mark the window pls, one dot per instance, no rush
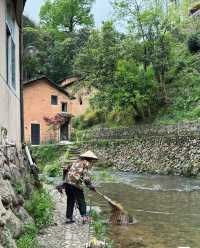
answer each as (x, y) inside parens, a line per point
(10, 45)
(64, 106)
(54, 100)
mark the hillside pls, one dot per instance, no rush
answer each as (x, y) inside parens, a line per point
(184, 95)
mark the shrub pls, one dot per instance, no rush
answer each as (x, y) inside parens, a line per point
(52, 170)
(196, 112)
(194, 43)
(46, 154)
(19, 188)
(121, 118)
(76, 122)
(28, 238)
(65, 157)
(30, 228)
(40, 206)
(89, 119)
(27, 241)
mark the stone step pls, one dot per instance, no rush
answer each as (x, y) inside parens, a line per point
(74, 153)
(74, 147)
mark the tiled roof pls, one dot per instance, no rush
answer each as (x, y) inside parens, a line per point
(51, 83)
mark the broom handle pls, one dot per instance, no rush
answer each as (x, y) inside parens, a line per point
(104, 196)
(99, 193)
(110, 202)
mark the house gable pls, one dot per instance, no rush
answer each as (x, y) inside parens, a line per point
(69, 81)
(48, 81)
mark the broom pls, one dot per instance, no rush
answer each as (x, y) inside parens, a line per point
(118, 214)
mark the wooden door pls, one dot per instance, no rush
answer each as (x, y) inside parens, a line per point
(35, 134)
(64, 133)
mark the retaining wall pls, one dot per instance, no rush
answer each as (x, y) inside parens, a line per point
(16, 184)
(173, 149)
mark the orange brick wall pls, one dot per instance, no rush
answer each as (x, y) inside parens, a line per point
(37, 105)
(76, 108)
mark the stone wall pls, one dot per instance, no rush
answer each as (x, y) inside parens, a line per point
(169, 152)
(16, 184)
(180, 129)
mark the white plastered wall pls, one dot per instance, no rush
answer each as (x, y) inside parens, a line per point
(9, 98)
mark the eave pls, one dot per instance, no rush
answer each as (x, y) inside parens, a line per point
(19, 8)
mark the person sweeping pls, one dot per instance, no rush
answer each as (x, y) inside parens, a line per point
(74, 177)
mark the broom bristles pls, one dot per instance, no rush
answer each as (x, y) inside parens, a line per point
(119, 218)
(114, 204)
(118, 214)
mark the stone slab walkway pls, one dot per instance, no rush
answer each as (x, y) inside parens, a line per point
(62, 235)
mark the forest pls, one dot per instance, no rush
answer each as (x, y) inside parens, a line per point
(143, 63)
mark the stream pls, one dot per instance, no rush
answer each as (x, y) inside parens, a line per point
(166, 208)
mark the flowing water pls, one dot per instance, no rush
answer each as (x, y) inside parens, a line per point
(167, 210)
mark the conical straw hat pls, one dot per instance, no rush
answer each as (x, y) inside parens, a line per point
(89, 154)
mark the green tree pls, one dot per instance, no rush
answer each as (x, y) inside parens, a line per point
(110, 63)
(98, 59)
(32, 40)
(66, 15)
(50, 52)
(137, 88)
(153, 24)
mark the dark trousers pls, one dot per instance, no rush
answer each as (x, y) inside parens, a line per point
(75, 195)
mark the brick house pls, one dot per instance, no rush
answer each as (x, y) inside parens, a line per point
(44, 100)
(82, 95)
(10, 87)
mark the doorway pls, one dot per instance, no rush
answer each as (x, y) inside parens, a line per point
(64, 132)
(35, 134)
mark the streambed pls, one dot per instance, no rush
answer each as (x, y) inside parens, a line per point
(167, 209)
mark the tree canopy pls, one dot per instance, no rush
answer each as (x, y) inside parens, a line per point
(135, 72)
(66, 15)
(49, 48)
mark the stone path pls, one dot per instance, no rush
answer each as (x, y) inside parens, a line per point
(62, 235)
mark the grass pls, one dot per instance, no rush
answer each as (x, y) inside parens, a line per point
(100, 228)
